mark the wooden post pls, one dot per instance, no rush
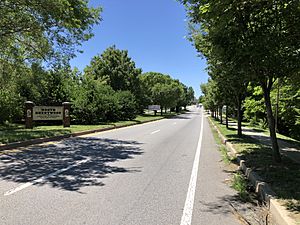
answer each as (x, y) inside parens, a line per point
(29, 114)
(66, 114)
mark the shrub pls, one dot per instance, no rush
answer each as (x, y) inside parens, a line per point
(11, 104)
(127, 106)
(92, 102)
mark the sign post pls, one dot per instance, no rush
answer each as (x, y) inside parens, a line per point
(66, 114)
(29, 114)
(154, 108)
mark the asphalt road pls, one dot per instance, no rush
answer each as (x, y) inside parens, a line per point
(146, 174)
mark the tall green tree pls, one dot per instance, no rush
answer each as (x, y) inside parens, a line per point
(187, 96)
(262, 37)
(231, 89)
(148, 81)
(44, 29)
(166, 95)
(163, 90)
(10, 99)
(210, 99)
(115, 68)
(285, 96)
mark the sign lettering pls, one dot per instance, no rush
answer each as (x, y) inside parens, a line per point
(47, 113)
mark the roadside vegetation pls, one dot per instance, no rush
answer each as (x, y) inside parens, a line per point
(252, 51)
(36, 46)
(16, 132)
(110, 89)
(240, 184)
(283, 178)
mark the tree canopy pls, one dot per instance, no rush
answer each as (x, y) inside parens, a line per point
(161, 89)
(256, 40)
(44, 29)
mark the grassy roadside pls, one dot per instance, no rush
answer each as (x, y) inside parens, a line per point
(280, 137)
(238, 181)
(16, 132)
(284, 178)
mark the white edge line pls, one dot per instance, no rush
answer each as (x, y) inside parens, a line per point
(155, 131)
(43, 178)
(186, 218)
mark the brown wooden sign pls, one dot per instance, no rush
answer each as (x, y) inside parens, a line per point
(39, 113)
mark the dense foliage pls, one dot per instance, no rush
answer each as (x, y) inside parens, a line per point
(246, 42)
(38, 39)
(115, 68)
(160, 89)
(285, 96)
(44, 29)
(120, 94)
(94, 102)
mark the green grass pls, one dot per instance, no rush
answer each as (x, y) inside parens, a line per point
(224, 152)
(259, 129)
(284, 177)
(231, 135)
(15, 132)
(240, 184)
(225, 156)
(18, 133)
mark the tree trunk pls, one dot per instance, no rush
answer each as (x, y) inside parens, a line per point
(277, 105)
(227, 116)
(220, 113)
(271, 122)
(161, 111)
(212, 113)
(239, 117)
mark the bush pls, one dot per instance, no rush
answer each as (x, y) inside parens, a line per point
(127, 106)
(94, 102)
(11, 105)
(90, 102)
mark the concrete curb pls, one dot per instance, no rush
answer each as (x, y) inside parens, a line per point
(20, 144)
(280, 216)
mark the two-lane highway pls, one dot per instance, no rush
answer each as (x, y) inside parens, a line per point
(165, 172)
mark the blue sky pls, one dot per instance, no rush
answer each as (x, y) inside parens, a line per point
(153, 33)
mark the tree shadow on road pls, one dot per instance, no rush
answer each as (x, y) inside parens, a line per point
(91, 159)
